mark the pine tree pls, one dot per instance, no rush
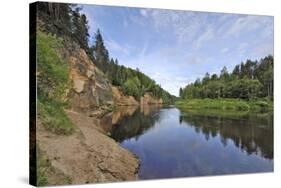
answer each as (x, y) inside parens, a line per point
(100, 52)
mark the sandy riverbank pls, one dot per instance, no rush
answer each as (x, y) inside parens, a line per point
(86, 156)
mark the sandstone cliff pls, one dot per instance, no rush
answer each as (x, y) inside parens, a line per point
(149, 99)
(90, 87)
(122, 100)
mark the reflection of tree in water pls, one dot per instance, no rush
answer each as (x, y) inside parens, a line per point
(250, 133)
(135, 124)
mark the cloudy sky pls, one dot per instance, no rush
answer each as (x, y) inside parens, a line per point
(176, 47)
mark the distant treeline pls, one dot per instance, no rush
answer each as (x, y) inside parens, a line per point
(249, 80)
(67, 21)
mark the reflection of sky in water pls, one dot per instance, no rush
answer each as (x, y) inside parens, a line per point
(173, 149)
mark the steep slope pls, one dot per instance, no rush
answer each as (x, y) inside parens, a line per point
(90, 88)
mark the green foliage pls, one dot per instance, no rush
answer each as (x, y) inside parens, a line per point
(52, 82)
(132, 87)
(80, 28)
(65, 20)
(225, 104)
(53, 117)
(100, 53)
(52, 72)
(222, 104)
(248, 81)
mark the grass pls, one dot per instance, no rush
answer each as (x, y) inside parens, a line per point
(226, 104)
(52, 84)
(53, 117)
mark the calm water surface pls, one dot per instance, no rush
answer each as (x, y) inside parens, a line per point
(174, 143)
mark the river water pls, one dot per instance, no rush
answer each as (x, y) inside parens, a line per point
(174, 143)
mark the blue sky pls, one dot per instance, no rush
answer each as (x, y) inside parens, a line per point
(176, 47)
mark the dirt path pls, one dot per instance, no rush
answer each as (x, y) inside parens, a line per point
(88, 155)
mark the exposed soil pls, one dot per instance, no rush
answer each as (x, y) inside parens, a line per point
(86, 156)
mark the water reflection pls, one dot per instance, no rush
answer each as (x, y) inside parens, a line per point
(135, 124)
(252, 133)
(174, 143)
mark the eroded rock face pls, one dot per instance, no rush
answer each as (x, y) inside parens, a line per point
(90, 87)
(122, 100)
(148, 99)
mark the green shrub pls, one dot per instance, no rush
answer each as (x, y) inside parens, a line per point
(52, 82)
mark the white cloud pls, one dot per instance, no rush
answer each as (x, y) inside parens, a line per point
(205, 37)
(171, 83)
(113, 45)
(246, 24)
(185, 25)
(193, 59)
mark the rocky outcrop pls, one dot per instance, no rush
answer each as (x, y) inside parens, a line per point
(122, 100)
(90, 87)
(148, 99)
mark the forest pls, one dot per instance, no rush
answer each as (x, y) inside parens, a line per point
(67, 21)
(248, 80)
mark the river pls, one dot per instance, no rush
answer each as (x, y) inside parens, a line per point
(174, 143)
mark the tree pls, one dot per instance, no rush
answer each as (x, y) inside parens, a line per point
(181, 92)
(56, 17)
(100, 52)
(224, 73)
(214, 77)
(132, 87)
(80, 29)
(206, 78)
(236, 71)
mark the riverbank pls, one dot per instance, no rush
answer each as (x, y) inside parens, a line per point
(226, 104)
(87, 155)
